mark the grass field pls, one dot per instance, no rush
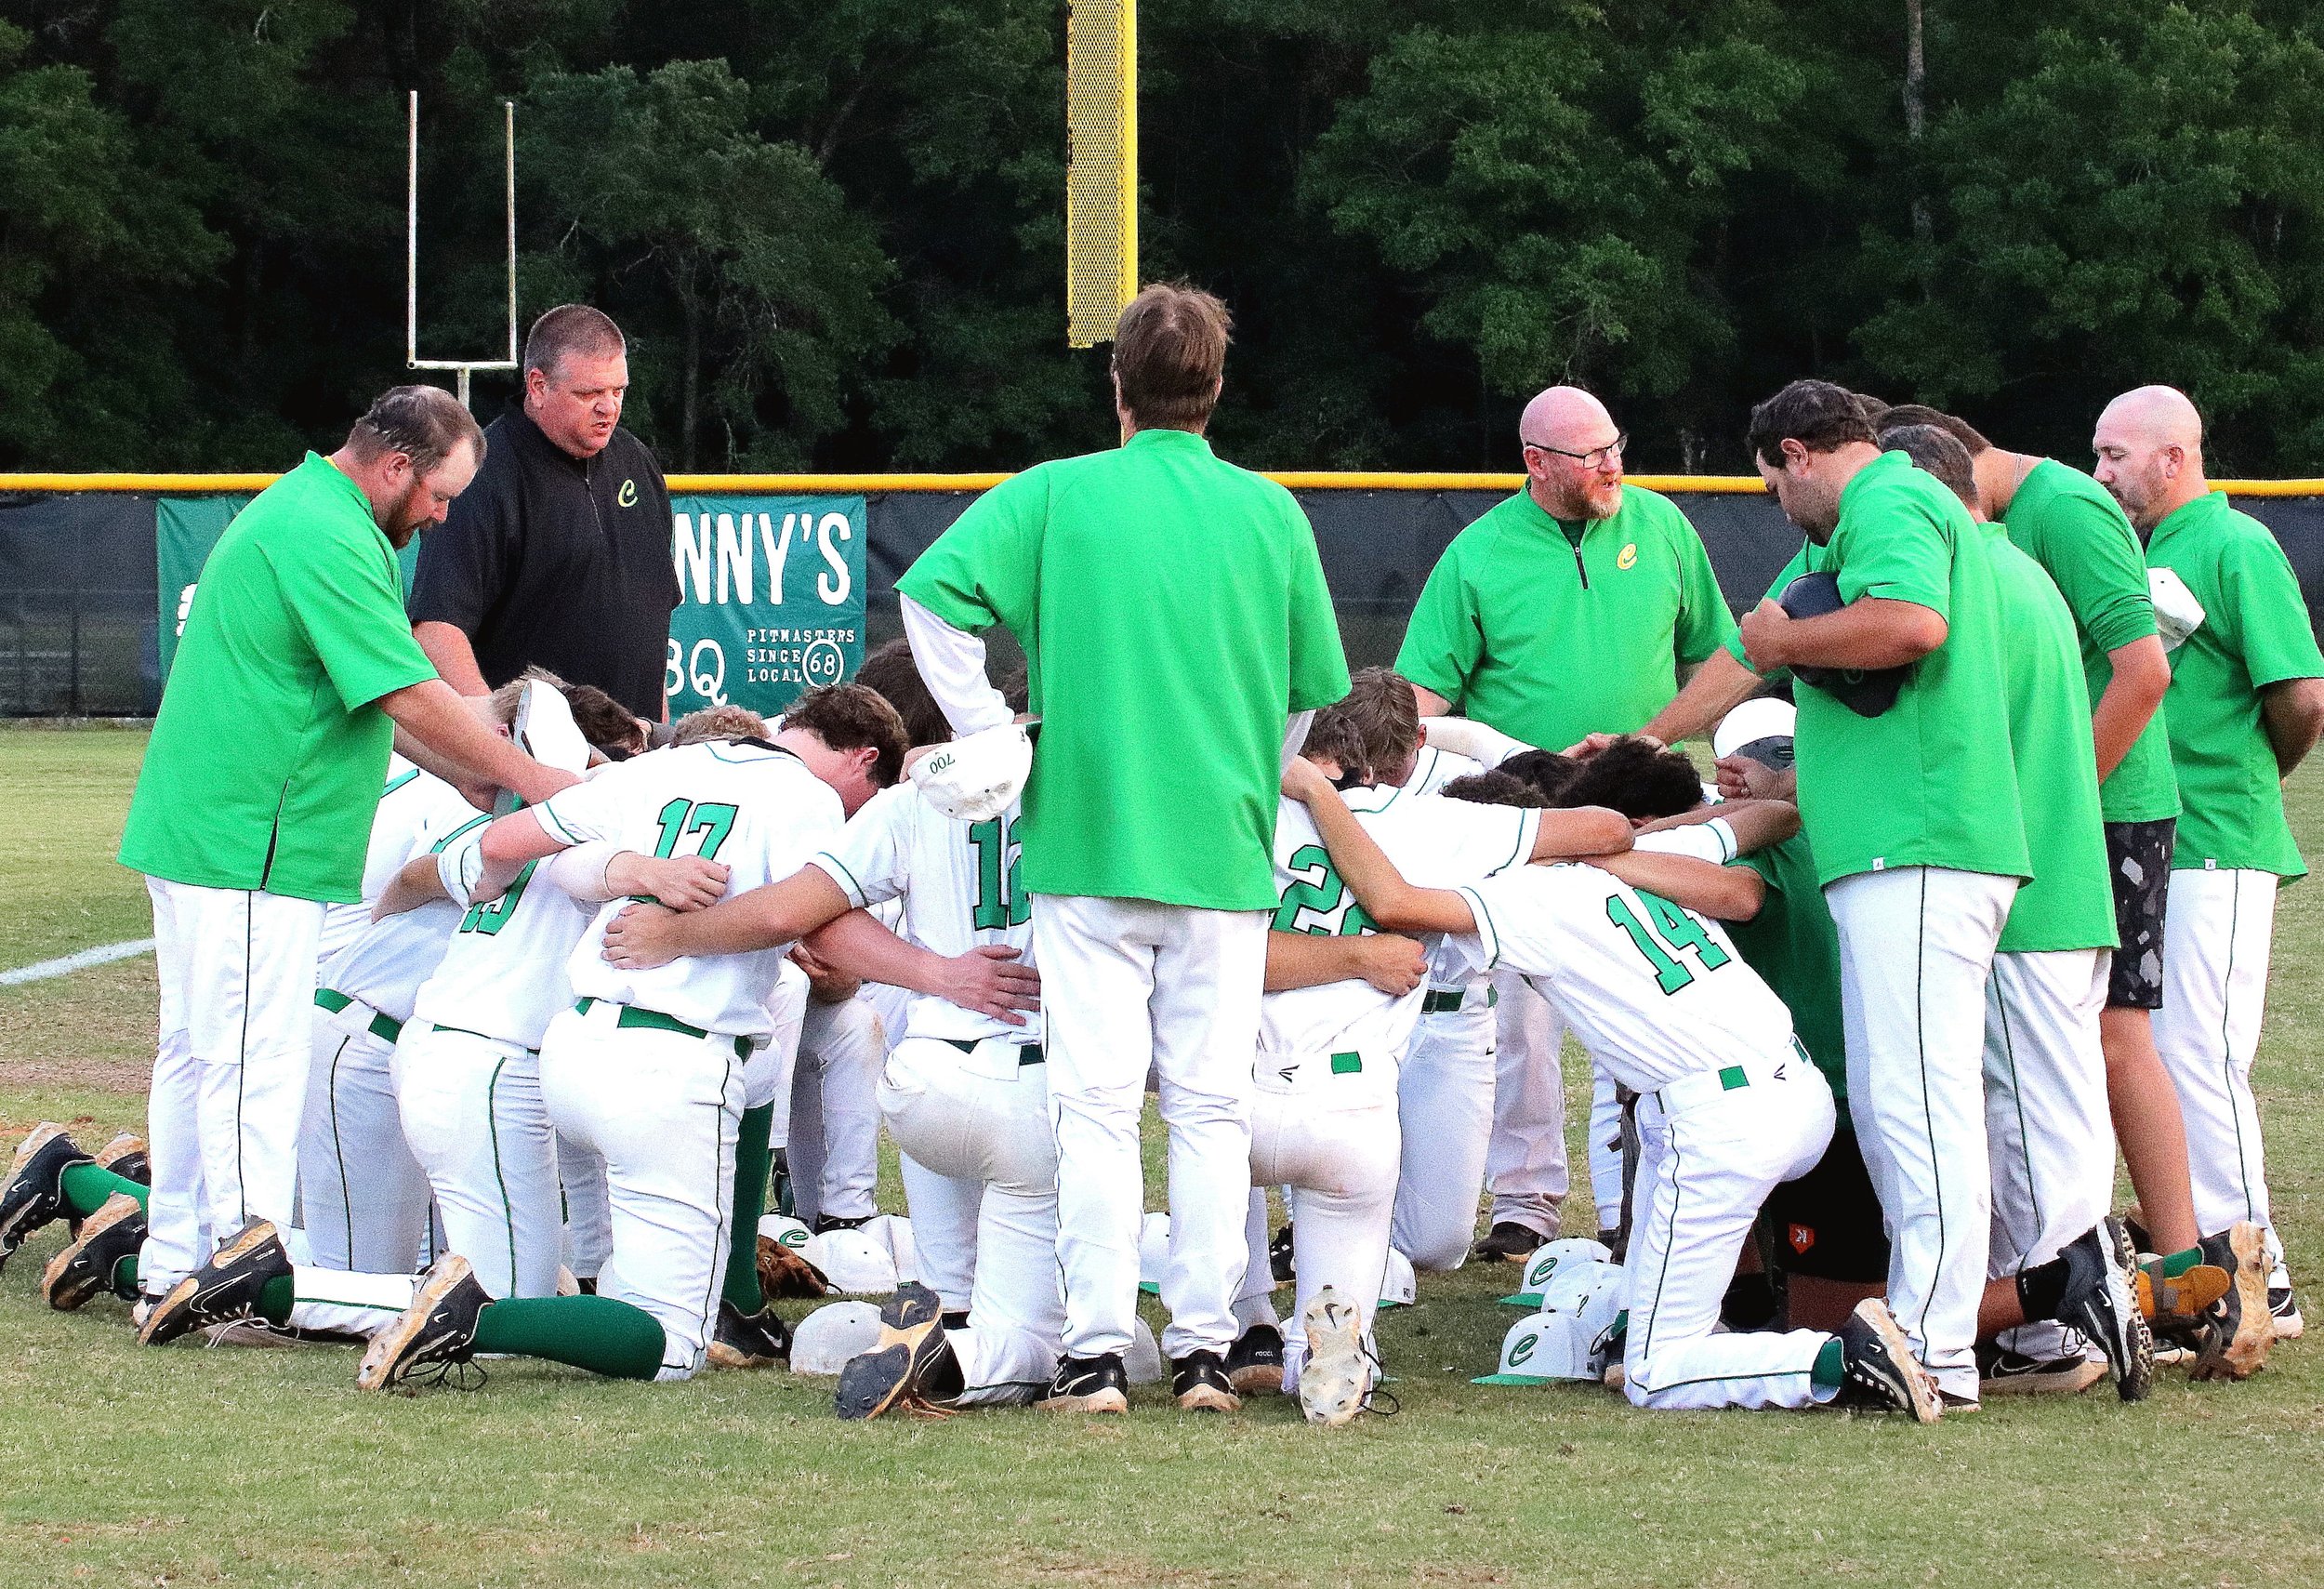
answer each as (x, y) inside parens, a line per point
(266, 1467)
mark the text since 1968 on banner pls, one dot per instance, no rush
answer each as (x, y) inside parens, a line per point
(770, 599)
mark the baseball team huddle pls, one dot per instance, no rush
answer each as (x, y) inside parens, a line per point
(490, 1026)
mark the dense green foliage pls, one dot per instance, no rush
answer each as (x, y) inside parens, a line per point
(835, 227)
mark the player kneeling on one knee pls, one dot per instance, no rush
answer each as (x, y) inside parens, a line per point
(1729, 1107)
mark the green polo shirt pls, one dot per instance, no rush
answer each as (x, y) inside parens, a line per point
(1795, 948)
(1929, 782)
(2255, 632)
(270, 750)
(1550, 633)
(2069, 903)
(2066, 522)
(1173, 612)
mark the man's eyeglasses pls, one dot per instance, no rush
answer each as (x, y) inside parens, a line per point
(1596, 458)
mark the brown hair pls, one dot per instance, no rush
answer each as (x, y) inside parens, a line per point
(850, 717)
(1820, 417)
(717, 723)
(1379, 704)
(571, 328)
(1939, 450)
(1170, 347)
(1333, 736)
(1637, 777)
(1921, 414)
(890, 673)
(424, 423)
(604, 721)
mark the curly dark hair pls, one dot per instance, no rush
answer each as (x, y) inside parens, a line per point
(1636, 778)
(1495, 787)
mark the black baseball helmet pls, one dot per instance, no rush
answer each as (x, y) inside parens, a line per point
(1865, 692)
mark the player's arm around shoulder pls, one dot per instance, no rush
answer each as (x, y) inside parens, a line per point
(1390, 901)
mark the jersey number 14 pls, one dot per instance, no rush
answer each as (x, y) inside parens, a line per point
(1673, 932)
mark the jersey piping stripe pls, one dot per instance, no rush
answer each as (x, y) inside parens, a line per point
(241, 1053)
(339, 1151)
(853, 889)
(1652, 1390)
(2000, 997)
(1928, 1113)
(1486, 935)
(438, 848)
(396, 783)
(722, 1199)
(2226, 1049)
(1646, 1344)
(546, 817)
(500, 1177)
(1529, 834)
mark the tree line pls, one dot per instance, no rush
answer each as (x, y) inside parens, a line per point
(835, 228)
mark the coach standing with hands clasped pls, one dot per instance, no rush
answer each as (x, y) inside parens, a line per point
(1563, 612)
(256, 799)
(560, 555)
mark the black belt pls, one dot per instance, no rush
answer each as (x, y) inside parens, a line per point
(1027, 1053)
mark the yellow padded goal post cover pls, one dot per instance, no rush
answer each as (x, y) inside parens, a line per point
(1101, 167)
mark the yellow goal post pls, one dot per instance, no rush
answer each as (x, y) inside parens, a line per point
(1101, 167)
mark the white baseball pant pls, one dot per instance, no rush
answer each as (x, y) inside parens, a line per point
(2217, 939)
(237, 972)
(2048, 1128)
(348, 1303)
(1129, 985)
(589, 1210)
(1445, 1092)
(833, 1137)
(1328, 1132)
(982, 1117)
(661, 1109)
(1525, 1163)
(1712, 1146)
(475, 1120)
(1254, 1299)
(945, 1209)
(363, 1199)
(1916, 944)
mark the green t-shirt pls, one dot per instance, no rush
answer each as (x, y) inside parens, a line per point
(1929, 782)
(2255, 632)
(2069, 903)
(1795, 948)
(2066, 522)
(268, 752)
(1173, 612)
(1547, 638)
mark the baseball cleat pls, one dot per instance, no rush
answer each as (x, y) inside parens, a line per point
(222, 1290)
(740, 1340)
(1089, 1385)
(1255, 1362)
(125, 1156)
(1336, 1377)
(827, 1222)
(87, 1267)
(34, 1194)
(2101, 1301)
(438, 1328)
(1280, 1259)
(2004, 1372)
(1879, 1369)
(2236, 1337)
(1198, 1381)
(2283, 1306)
(1510, 1240)
(911, 1365)
(783, 1272)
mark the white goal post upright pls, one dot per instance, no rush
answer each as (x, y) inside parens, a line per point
(465, 367)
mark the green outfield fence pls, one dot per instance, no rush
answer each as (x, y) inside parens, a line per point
(80, 626)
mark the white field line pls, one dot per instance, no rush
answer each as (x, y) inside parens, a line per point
(40, 971)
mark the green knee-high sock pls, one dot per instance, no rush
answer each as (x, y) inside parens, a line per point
(752, 1160)
(593, 1332)
(275, 1299)
(86, 1187)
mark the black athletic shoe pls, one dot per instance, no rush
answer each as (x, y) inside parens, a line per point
(1880, 1368)
(829, 1221)
(911, 1365)
(2235, 1338)
(1279, 1258)
(438, 1330)
(223, 1290)
(35, 1192)
(1198, 1381)
(125, 1156)
(1255, 1362)
(87, 1267)
(2101, 1300)
(955, 1319)
(740, 1340)
(2283, 1306)
(1089, 1385)
(1510, 1240)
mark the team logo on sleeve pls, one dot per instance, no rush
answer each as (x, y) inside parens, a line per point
(1628, 558)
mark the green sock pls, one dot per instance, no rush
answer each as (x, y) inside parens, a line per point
(1831, 1366)
(86, 1187)
(275, 1299)
(753, 1158)
(2173, 1265)
(593, 1332)
(125, 1276)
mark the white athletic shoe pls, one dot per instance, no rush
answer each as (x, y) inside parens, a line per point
(1336, 1378)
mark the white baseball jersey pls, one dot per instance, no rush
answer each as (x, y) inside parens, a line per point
(1653, 991)
(385, 962)
(502, 972)
(1433, 768)
(753, 808)
(410, 797)
(960, 891)
(1436, 844)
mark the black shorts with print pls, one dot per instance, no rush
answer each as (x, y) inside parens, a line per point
(2138, 859)
(1827, 1223)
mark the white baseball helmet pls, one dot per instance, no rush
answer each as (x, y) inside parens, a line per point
(1750, 725)
(1547, 1261)
(857, 1262)
(1143, 1362)
(2177, 612)
(826, 1339)
(978, 776)
(1154, 1252)
(1397, 1285)
(896, 1230)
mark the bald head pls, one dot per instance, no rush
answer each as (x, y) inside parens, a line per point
(1567, 434)
(2150, 453)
